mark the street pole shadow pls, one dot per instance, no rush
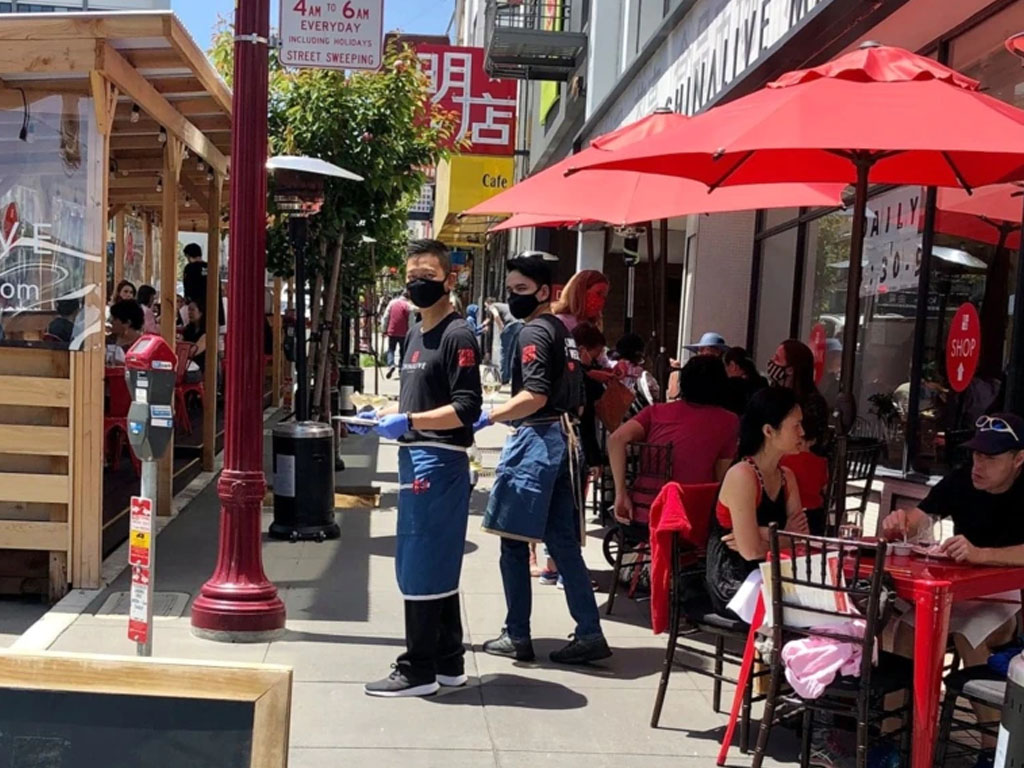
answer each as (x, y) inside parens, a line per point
(505, 690)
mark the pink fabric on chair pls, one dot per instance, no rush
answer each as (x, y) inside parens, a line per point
(812, 663)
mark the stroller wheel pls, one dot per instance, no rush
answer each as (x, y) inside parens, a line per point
(610, 545)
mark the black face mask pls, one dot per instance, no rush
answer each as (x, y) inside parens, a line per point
(425, 293)
(522, 305)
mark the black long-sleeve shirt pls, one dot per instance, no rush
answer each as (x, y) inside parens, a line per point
(441, 367)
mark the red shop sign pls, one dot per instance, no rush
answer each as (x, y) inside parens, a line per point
(818, 345)
(963, 347)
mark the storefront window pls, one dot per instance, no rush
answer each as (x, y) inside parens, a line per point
(46, 209)
(775, 300)
(824, 292)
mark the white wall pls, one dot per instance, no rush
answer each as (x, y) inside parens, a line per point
(604, 51)
(590, 251)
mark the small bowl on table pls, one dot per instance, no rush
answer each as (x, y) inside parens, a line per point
(900, 548)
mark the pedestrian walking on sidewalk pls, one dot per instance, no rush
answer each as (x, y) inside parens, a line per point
(538, 484)
(395, 324)
(439, 400)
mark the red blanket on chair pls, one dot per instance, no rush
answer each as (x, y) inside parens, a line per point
(685, 509)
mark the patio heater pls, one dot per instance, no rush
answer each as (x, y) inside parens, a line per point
(303, 450)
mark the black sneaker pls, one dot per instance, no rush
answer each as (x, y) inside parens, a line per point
(582, 651)
(398, 683)
(503, 645)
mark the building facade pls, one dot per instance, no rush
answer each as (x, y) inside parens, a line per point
(64, 6)
(759, 277)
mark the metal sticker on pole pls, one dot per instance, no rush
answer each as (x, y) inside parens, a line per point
(963, 347)
(332, 34)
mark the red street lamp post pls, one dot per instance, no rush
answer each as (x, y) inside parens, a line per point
(238, 603)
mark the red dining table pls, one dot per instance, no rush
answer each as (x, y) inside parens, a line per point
(932, 586)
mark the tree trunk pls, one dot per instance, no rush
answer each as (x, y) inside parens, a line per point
(331, 314)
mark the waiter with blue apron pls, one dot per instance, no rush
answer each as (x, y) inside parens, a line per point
(537, 489)
(439, 400)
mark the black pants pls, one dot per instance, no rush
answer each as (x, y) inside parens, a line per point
(433, 638)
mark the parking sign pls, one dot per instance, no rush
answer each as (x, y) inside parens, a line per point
(332, 34)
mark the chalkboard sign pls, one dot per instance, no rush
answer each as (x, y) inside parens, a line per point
(85, 711)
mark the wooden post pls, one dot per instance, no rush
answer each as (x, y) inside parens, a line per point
(86, 509)
(149, 256)
(212, 319)
(168, 310)
(118, 250)
(277, 327)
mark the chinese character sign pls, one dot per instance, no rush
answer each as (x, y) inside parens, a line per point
(485, 108)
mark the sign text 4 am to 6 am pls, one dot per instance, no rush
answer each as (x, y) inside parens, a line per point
(332, 34)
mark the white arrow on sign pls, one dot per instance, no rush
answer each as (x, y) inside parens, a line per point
(960, 372)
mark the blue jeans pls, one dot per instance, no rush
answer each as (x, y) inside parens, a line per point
(563, 541)
(509, 345)
(395, 344)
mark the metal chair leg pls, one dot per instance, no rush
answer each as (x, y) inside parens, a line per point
(666, 670)
(806, 734)
(748, 694)
(716, 697)
(616, 572)
(769, 714)
(945, 726)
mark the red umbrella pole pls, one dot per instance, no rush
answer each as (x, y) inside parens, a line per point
(238, 603)
(851, 328)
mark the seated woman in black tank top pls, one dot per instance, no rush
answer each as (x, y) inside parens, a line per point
(755, 493)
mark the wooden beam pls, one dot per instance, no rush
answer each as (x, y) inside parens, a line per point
(32, 56)
(118, 249)
(147, 236)
(131, 83)
(76, 26)
(197, 193)
(197, 105)
(183, 43)
(212, 319)
(168, 310)
(155, 58)
(34, 488)
(33, 440)
(104, 100)
(177, 85)
(208, 124)
(37, 391)
(32, 534)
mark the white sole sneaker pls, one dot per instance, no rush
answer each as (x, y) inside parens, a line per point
(452, 681)
(417, 690)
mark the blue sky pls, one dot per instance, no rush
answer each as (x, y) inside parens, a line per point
(421, 16)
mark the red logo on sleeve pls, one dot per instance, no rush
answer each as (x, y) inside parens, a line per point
(467, 358)
(416, 356)
(529, 353)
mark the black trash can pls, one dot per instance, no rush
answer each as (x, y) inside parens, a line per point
(1010, 749)
(303, 482)
(350, 380)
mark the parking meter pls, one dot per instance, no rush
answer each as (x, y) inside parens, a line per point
(150, 370)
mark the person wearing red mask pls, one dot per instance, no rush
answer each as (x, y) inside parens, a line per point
(582, 299)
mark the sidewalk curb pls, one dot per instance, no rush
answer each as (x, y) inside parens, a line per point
(44, 632)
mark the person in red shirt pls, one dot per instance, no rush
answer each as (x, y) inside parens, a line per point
(396, 328)
(704, 435)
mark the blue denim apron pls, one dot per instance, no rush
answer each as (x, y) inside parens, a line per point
(433, 512)
(531, 461)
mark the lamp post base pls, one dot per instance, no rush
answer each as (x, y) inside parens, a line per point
(239, 604)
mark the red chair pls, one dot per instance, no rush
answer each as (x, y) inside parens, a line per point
(115, 420)
(182, 389)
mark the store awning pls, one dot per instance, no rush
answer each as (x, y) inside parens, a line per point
(462, 182)
(164, 86)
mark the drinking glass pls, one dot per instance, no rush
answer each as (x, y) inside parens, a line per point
(490, 380)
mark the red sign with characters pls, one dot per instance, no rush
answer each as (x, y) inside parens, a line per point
(818, 345)
(963, 347)
(486, 108)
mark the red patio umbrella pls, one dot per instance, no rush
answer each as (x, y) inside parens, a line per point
(880, 114)
(621, 199)
(523, 220)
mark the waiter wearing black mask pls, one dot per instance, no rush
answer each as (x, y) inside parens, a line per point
(536, 494)
(439, 400)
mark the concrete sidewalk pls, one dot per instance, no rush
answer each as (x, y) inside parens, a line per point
(345, 628)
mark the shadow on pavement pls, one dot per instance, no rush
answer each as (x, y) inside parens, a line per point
(511, 691)
(384, 546)
(292, 636)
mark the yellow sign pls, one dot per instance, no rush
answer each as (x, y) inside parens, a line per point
(466, 180)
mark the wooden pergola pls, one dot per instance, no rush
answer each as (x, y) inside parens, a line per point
(156, 148)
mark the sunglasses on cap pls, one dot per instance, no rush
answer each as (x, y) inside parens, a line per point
(995, 424)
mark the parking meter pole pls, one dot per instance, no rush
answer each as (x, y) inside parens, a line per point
(150, 473)
(298, 230)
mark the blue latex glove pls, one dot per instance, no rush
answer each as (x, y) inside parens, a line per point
(393, 426)
(483, 420)
(369, 412)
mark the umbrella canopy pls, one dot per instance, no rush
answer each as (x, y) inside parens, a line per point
(908, 118)
(990, 215)
(523, 220)
(621, 198)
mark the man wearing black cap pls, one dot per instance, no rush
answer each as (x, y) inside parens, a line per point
(534, 497)
(986, 503)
